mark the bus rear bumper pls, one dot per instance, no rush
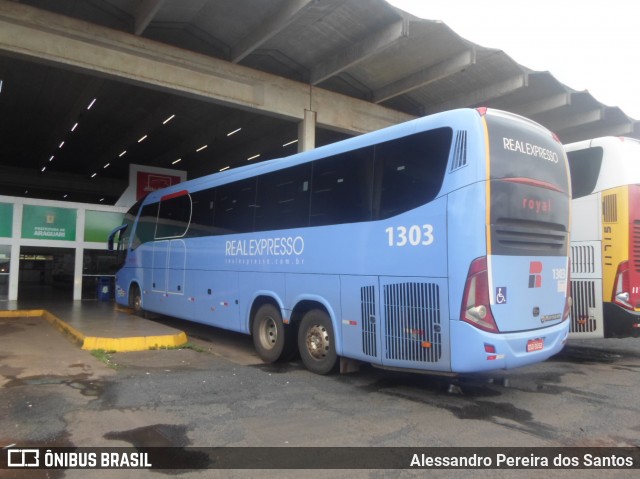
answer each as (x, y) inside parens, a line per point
(620, 322)
(474, 350)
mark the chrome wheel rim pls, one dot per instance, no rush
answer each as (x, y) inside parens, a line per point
(318, 341)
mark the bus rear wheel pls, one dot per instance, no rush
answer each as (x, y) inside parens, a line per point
(316, 342)
(270, 338)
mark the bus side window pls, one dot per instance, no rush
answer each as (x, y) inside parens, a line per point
(146, 229)
(283, 199)
(235, 207)
(342, 188)
(585, 170)
(202, 207)
(173, 217)
(412, 170)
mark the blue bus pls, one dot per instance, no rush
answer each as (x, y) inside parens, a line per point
(440, 244)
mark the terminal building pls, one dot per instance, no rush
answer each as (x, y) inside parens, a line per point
(104, 101)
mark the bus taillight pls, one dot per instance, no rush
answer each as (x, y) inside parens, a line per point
(621, 289)
(476, 309)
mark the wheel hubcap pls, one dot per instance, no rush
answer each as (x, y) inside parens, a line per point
(318, 341)
(268, 333)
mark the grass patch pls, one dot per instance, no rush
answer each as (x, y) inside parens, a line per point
(105, 357)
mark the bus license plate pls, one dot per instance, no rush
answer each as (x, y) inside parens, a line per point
(535, 345)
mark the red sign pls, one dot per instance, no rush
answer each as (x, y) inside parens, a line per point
(148, 182)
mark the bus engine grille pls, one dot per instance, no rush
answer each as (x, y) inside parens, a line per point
(532, 235)
(412, 322)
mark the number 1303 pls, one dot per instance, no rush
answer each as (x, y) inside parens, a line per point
(414, 235)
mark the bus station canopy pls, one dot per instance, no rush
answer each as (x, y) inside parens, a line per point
(205, 84)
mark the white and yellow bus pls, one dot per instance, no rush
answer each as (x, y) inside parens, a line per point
(605, 237)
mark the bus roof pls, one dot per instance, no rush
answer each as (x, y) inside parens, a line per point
(460, 118)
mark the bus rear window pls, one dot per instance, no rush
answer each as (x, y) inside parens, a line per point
(525, 150)
(585, 170)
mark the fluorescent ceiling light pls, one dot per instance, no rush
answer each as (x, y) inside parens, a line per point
(61, 144)
(142, 139)
(201, 148)
(122, 154)
(93, 176)
(168, 119)
(225, 168)
(177, 161)
(73, 128)
(253, 157)
(234, 132)
(290, 143)
(107, 165)
(91, 104)
(52, 157)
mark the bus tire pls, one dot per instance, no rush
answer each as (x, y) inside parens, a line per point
(316, 342)
(135, 300)
(270, 335)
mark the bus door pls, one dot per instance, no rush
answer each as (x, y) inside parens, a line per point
(169, 275)
(586, 290)
(159, 266)
(176, 263)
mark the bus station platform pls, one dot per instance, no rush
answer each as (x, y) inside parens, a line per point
(98, 325)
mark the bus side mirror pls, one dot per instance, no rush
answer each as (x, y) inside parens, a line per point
(113, 234)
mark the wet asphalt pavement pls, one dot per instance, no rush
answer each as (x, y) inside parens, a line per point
(217, 393)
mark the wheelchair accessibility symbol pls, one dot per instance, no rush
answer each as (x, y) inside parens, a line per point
(501, 295)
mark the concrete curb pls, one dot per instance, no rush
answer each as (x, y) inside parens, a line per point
(136, 343)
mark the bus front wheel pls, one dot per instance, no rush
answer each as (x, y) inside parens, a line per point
(135, 300)
(316, 342)
(269, 334)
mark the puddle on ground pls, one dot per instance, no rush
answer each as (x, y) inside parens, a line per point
(158, 435)
(30, 473)
(173, 458)
(581, 354)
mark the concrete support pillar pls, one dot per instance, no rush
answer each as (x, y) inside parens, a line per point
(14, 263)
(307, 131)
(79, 258)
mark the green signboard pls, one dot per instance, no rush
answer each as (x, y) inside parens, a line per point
(48, 223)
(98, 225)
(6, 220)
